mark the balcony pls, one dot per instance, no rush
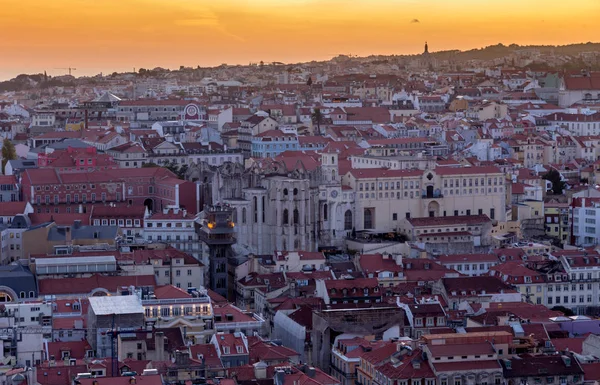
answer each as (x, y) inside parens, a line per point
(245, 325)
(347, 376)
(432, 195)
(176, 301)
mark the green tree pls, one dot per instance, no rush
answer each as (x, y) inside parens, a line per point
(149, 164)
(8, 153)
(557, 184)
(317, 117)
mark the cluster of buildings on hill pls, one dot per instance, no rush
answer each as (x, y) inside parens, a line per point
(346, 223)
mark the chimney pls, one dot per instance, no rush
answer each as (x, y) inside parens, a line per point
(132, 380)
(68, 237)
(182, 358)
(311, 371)
(159, 346)
(260, 370)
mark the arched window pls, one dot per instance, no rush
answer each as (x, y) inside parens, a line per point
(244, 215)
(264, 204)
(255, 201)
(296, 216)
(587, 96)
(348, 220)
(22, 294)
(332, 174)
(285, 191)
(333, 160)
(234, 216)
(368, 219)
(325, 212)
(295, 191)
(285, 219)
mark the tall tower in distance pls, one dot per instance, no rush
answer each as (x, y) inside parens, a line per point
(426, 51)
(217, 231)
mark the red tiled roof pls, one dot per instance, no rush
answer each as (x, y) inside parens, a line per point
(466, 366)
(124, 380)
(381, 354)
(583, 83)
(68, 323)
(61, 375)
(86, 285)
(208, 352)
(461, 349)
(61, 219)
(12, 208)
(374, 263)
(369, 173)
(216, 298)
(231, 341)
(263, 351)
(76, 349)
(592, 371)
(574, 345)
(480, 257)
(229, 309)
(8, 179)
(170, 292)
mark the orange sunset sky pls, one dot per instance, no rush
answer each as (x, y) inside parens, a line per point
(117, 35)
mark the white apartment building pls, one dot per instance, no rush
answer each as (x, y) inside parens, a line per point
(577, 124)
(194, 313)
(43, 119)
(31, 324)
(384, 198)
(586, 217)
(176, 228)
(581, 291)
(173, 267)
(394, 162)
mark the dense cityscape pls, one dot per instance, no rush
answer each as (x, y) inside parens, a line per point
(427, 219)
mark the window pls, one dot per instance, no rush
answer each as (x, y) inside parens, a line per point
(285, 219)
(348, 220)
(368, 218)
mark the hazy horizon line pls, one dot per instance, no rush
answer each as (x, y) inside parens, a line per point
(122, 70)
